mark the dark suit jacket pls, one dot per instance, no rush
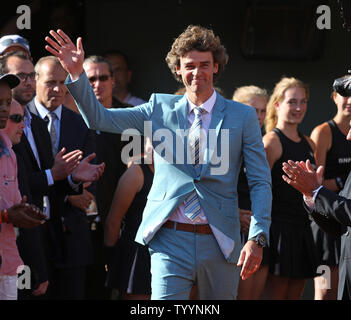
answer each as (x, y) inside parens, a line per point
(36, 176)
(333, 215)
(29, 241)
(74, 134)
(32, 244)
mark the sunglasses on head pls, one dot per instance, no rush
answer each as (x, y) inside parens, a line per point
(8, 42)
(102, 78)
(16, 117)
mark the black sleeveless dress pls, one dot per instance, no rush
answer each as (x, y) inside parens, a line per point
(292, 249)
(130, 269)
(337, 164)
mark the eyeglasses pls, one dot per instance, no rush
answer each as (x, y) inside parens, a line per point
(26, 76)
(16, 117)
(102, 78)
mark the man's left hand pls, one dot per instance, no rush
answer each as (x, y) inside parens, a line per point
(250, 259)
(86, 172)
(81, 201)
(302, 176)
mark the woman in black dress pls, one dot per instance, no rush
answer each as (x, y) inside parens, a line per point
(130, 272)
(292, 253)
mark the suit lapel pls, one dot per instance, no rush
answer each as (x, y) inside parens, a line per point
(32, 108)
(181, 108)
(29, 150)
(215, 124)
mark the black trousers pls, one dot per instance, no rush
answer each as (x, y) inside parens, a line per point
(67, 283)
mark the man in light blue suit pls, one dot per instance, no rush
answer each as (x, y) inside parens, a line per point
(191, 220)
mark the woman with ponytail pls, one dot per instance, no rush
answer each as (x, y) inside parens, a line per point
(292, 255)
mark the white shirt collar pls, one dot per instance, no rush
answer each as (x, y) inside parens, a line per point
(207, 105)
(43, 111)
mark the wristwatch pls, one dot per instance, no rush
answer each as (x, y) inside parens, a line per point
(260, 239)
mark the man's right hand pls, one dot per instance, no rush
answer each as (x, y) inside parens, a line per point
(65, 163)
(70, 56)
(24, 215)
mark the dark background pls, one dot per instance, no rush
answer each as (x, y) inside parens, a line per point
(265, 39)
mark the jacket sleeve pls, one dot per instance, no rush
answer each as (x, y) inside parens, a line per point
(258, 176)
(332, 212)
(333, 206)
(99, 118)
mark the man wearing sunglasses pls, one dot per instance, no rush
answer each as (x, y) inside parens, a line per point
(15, 123)
(109, 147)
(14, 212)
(47, 177)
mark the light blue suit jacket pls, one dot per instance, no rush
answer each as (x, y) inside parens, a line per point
(175, 179)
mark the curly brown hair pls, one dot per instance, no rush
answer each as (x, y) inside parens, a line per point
(200, 39)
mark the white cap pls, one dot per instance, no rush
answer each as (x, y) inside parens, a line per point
(13, 40)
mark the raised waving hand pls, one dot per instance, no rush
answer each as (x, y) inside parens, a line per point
(70, 56)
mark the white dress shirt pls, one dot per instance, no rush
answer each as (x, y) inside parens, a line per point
(43, 112)
(310, 201)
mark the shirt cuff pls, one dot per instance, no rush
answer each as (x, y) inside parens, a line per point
(49, 177)
(75, 186)
(310, 201)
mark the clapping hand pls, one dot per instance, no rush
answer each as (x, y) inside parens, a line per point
(302, 176)
(87, 172)
(24, 215)
(65, 163)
